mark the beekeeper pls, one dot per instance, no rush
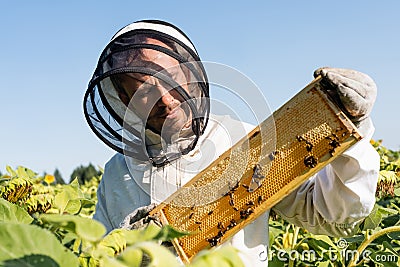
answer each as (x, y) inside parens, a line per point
(149, 100)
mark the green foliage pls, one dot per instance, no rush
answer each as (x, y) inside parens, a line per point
(221, 257)
(49, 224)
(29, 245)
(17, 185)
(84, 173)
(46, 223)
(389, 176)
(376, 244)
(83, 228)
(10, 212)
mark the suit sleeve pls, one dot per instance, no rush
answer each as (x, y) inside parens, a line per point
(337, 199)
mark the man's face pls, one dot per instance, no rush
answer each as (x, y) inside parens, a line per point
(153, 100)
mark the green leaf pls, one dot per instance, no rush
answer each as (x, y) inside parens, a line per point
(132, 256)
(275, 262)
(73, 206)
(147, 234)
(390, 220)
(31, 174)
(324, 264)
(69, 199)
(10, 212)
(11, 171)
(373, 220)
(168, 233)
(150, 232)
(318, 243)
(87, 203)
(30, 245)
(111, 244)
(21, 172)
(222, 256)
(397, 191)
(87, 229)
(158, 255)
(375, 217)
(324, 241)
(111, 262)
(273, 233)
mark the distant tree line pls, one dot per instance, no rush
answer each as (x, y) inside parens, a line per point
(82, 173)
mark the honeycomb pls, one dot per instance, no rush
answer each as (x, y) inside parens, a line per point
(299, 139)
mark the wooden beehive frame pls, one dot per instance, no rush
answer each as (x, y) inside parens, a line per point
(298, 140)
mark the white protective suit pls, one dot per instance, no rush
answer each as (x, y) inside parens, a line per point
(333, 202)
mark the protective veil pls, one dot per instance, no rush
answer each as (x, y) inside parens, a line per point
(125, 103)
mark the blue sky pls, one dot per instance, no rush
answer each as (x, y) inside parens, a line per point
(49, 50)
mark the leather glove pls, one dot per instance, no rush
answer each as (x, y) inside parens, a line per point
(353, 91)
(140, 218)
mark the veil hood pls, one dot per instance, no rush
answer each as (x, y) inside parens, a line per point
(122, 126)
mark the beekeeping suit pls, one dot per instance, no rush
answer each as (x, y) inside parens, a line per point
(154, 161)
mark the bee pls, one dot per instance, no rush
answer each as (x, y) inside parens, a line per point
(213, 241)
(231, 203)
(197, 222)
(235, 209)
(244, 214)
(309, 146)
(210, 212)
(191, 215)
(235, 187)
(250, 211)
(334, 143)
(216, 241)
(260, 199)
(310, 161)
(250, 203)
(300, 138)
(220, 234)
(220, 226)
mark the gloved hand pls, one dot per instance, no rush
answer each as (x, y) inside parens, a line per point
(140, 218)
(355, 92)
